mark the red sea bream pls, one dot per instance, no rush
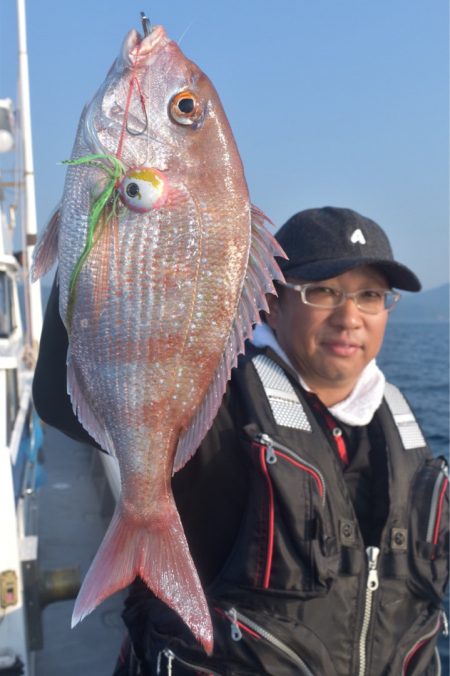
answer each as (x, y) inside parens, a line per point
(163, 268)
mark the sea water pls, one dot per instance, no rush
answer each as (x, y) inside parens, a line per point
(415, 357)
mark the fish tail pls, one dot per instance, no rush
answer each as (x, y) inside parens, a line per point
(159, 554)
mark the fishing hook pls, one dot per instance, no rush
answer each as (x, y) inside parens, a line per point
(137, 132)
(145, 24)
(134, 82)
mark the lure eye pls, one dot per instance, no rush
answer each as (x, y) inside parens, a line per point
(185, 108)
(132, 190)
(143, 189)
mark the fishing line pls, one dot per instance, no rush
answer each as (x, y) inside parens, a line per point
(186, 30)
(133, 82)
(115, 174)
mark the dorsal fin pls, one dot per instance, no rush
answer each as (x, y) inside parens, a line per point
(261, 270)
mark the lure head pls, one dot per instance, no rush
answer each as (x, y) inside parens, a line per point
(143, 189)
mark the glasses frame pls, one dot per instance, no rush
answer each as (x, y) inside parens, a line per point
(353, 295)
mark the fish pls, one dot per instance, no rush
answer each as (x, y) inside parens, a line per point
(163, 268)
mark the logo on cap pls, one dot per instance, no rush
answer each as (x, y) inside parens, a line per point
(357, 237)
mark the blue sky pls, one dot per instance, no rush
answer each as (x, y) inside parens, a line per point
(331, 103)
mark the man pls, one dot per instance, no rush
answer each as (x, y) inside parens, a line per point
(314, 510)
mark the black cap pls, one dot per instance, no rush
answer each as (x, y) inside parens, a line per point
(324, 243)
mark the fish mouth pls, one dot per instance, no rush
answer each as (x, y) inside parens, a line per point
(149, 42)
(137, 49)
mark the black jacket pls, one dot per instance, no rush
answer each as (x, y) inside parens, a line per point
(278, 531)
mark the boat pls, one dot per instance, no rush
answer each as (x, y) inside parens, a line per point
(24, 588)
(19, 471)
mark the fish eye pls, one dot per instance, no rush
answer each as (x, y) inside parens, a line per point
(185, 108)
(186, 105)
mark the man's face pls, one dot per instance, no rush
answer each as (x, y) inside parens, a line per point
(330, 347)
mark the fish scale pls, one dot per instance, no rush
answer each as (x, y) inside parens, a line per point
(159, 288)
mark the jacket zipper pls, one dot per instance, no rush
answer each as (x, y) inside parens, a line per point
(371, 587)
(437, 497)
(171, 657)
(271, 458)
(423, 640)
(238, 621)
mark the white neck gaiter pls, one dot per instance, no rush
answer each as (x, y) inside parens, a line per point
(359, 407)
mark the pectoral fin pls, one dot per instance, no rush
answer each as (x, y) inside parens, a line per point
(46, 251)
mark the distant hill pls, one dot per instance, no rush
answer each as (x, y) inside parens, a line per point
(426, 306)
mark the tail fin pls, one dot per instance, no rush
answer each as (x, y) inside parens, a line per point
(160, 556)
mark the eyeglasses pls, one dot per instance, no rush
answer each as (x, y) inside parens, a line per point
(371, 301)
